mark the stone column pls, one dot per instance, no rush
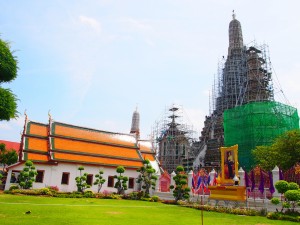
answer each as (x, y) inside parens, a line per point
(275, 174)
(242, 177)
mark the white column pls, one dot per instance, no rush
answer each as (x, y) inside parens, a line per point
(275, 174)
(157, 182)
(242, 177)
(212, 175)
(173, 174)
(190, 178)
(8, 177)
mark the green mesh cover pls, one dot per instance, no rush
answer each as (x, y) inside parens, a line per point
(255, 124)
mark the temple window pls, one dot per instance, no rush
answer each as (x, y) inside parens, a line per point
(40, 176)
(65, 178)
(110, 181)
(131, 182)
(89, 179)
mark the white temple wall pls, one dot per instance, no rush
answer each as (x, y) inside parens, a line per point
(53, 176)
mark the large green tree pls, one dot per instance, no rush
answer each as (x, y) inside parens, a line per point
(147, 177)
(8, 72)
(7, 156)
(284, 152)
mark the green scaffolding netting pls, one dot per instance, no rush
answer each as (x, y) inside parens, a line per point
(255, 124)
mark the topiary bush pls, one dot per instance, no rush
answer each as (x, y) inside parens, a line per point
(293, 196)
(88, 194)
(181, 191)
(13, 187)
(155, 198)
(293, 186)
(27, 175)
(282, 186)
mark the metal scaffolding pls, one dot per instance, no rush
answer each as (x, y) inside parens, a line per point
(173, 140)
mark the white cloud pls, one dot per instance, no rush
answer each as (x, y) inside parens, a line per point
(150, 42)
(91, 22)
(5, 126)
(135, 24)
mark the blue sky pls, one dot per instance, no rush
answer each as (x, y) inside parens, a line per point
(91, 62)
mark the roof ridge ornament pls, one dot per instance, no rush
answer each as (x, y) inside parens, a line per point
(25, 114)
(49, 115)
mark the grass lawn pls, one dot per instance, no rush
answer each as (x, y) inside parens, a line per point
(56, 211)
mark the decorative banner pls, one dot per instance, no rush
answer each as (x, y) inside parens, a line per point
(246, 179)
(252, 181)
(281, 175)
(272, 189)
(261, 187)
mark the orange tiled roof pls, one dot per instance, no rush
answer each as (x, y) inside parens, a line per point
(59, 129)
(93, 148)
(38, 129)
(148, 156)
(36, 144)
(68, 143)
(145, 146)
(96, 160)
(36, 157)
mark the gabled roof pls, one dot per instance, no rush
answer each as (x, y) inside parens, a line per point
(11, 145)
(60, 142)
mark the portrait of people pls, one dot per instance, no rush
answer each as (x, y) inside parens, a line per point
(229, 165)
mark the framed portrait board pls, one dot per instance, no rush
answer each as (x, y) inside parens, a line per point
(229, 164)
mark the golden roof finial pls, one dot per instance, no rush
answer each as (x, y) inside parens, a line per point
(233, 15)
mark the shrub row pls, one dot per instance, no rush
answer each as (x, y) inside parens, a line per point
(87, 194)
(282, 216)
(220, 209)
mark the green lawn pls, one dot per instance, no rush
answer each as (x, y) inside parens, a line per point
(56, 211)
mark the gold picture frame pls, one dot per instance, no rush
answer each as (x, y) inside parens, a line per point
(229, 164)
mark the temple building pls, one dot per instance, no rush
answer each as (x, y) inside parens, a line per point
(244, 110)
(58, 149)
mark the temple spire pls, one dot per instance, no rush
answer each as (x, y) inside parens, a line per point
(135, 124)
(235, 35)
